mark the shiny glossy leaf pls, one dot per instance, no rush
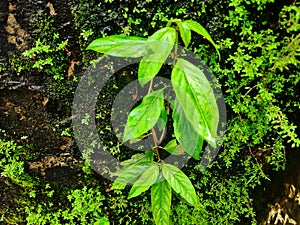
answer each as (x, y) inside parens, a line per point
(130, 174)
(160, 44)
(196, 99)
(120, 45)
(161, 195)
(173, 148)
(185, 133)
(180, 183)
(162, 121)
(144, 117)
(144, 182)
(171, 144)
(198, 28)
(179, 150)
(134, 159)
(185, 33)
(135, 140)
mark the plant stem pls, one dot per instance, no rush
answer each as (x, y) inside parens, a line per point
(162, 135)
(154, 137)
(156, 141)
(157, 152)
(176, 47)
(150, 87)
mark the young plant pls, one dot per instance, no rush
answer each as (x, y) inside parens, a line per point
(194, 112)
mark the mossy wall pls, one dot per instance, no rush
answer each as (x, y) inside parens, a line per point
(258, 71)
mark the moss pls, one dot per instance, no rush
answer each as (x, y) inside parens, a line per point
(259, 65)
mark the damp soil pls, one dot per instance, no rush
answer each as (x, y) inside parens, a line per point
(24, 117)
(26, 107)
(18, 19)
(53, 158)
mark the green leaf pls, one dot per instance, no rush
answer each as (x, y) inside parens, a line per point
(179, 150)
(198, 28)
(162, 121)
(185, 33)
(120, 45)
(185, 133)
(149, 154)
(161, 44)
(135, 140)
(144, 117)
(173, 148)
(102, 221)
(171, 144)
(180, 183)
(196, 99)
(161, 195)
(173, 21)
(145, 181)
(134, 159)
(130, 174)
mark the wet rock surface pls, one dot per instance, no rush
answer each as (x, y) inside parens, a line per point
(19, 31)
(26, 108)
(24, 117)
(27, 111)
(278, 201)
(53, 158)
